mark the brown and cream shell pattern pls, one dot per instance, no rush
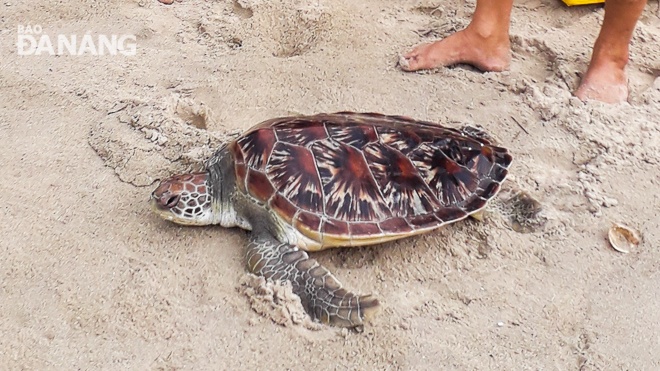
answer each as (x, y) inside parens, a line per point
(350, 179)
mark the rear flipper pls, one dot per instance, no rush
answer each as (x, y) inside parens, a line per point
(319, 291)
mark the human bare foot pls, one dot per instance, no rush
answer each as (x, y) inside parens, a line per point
(487, 53)
(166, 2)
(604, 81)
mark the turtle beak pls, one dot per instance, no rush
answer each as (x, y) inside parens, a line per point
(155, 205)
(158, 209)
(153, 201)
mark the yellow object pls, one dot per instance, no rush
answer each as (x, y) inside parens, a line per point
(582, 2)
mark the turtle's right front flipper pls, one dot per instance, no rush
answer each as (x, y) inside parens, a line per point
(319, 291)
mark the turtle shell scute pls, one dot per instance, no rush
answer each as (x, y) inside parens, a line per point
(355, 178)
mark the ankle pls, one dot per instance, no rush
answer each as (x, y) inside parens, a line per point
(614, 64)
(494, 36)
(610, 56)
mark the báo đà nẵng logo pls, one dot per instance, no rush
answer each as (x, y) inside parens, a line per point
(32, 41)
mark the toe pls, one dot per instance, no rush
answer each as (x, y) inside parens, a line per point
(406, 62)
(414, 59)
(414, 52)
(412, 63)
(403, 63)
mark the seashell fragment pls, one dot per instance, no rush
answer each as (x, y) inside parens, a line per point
(623, 238)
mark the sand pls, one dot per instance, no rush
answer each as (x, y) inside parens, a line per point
(92, 280)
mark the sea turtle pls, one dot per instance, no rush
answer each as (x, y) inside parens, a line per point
(344, 179)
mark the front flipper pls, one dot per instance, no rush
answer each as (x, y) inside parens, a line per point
(319, 291)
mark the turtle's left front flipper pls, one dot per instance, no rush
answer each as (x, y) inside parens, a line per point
(319, 291)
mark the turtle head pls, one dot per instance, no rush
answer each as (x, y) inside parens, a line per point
(184, 199)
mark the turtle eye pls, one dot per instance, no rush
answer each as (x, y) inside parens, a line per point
(172, 201)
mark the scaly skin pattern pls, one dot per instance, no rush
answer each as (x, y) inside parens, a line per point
(344, 179)
(185, 199)
(319, 291)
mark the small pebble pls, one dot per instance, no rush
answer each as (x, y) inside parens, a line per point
(500, 324)
(609, 202)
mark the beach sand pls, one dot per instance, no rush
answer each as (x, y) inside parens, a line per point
(91, 279)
